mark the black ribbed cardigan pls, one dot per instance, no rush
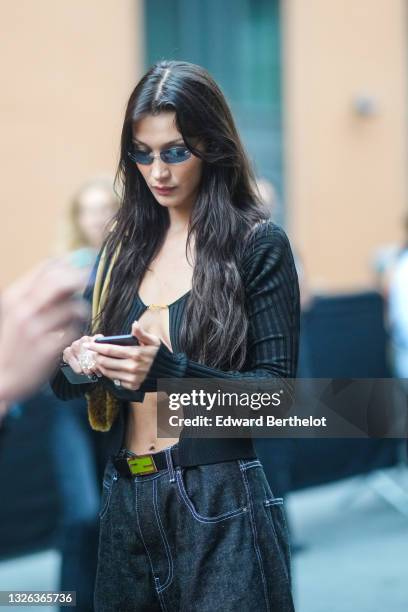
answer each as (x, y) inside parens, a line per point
(272, 305)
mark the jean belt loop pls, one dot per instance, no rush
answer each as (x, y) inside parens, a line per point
(170, 464)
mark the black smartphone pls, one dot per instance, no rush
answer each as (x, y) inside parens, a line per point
(77, 379)
(126, 340)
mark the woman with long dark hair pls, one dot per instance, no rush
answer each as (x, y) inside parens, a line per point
(193, 269)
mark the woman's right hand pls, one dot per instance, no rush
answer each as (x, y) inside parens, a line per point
(80, 359)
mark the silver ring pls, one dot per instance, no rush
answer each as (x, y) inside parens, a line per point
(117, 382)
(86, 360)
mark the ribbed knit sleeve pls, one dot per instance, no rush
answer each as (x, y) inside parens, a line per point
(65, 390)
(272, 294)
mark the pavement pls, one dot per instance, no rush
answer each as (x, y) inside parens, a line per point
(31, 573)
(354, 556)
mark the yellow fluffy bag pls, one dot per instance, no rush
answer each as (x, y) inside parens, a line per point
(103, 406)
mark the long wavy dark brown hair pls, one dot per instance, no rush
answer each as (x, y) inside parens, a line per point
(214, 329)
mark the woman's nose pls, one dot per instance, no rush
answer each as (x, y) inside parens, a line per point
(159, 169)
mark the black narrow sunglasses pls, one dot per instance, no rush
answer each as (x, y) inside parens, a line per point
(172, 155)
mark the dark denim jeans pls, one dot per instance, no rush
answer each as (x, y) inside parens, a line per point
(196, 539)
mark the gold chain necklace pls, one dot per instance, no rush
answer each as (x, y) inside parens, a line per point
(157, 307)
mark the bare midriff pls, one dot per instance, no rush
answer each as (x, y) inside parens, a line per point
(168, 277)
(141, 432)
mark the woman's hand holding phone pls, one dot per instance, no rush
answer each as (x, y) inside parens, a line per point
(128, 365)
(81, 360)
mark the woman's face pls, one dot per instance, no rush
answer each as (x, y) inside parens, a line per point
(96, 209)
(173, 185)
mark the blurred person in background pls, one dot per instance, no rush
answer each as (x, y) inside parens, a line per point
(86, 221)
(397, 312)
(38, 314)
(193, 266)
(385, 259)
(267, 194)
(79, 453)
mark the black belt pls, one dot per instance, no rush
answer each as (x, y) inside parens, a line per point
(130, 465)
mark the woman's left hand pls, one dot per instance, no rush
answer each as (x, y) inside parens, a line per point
(128, 364)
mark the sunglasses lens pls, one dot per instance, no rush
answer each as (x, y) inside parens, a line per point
(140, 157)
(175, 155)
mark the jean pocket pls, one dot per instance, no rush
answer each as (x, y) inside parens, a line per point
(108, 482)
(276, 515)
(212, 493)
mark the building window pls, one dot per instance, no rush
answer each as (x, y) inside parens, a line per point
(238, 41)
